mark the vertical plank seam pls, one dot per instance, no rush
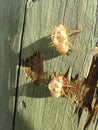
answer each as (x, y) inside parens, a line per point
(18, 71)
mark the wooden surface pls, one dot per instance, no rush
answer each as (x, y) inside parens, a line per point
(30, 23)
(11, 20)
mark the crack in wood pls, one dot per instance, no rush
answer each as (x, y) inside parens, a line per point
(18, 71)
(91, 98)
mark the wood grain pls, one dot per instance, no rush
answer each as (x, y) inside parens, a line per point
(41, 111)
(26, 30)
(11, 20)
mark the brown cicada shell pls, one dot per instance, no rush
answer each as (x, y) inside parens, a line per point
(60, 40)
(60, 86)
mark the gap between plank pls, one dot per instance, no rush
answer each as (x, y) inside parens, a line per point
(18, 71)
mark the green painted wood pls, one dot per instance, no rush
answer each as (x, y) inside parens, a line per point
(11, 20)
(36, 109)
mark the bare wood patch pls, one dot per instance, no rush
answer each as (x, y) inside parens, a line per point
(33, 68)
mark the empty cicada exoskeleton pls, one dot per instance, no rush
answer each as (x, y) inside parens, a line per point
(60, 86)
(56, 85)
(60, 39)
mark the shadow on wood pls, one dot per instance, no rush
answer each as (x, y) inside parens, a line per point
(29, 90)
(42, 45)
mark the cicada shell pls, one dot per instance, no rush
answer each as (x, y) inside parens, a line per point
(60, 86)
(60, 40)
(56, 85)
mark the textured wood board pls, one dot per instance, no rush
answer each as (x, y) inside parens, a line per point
(11, 19)
(43, 16)
(35, 108)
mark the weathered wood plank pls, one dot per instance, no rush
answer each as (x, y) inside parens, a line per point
(35, 108)
(11, 20)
